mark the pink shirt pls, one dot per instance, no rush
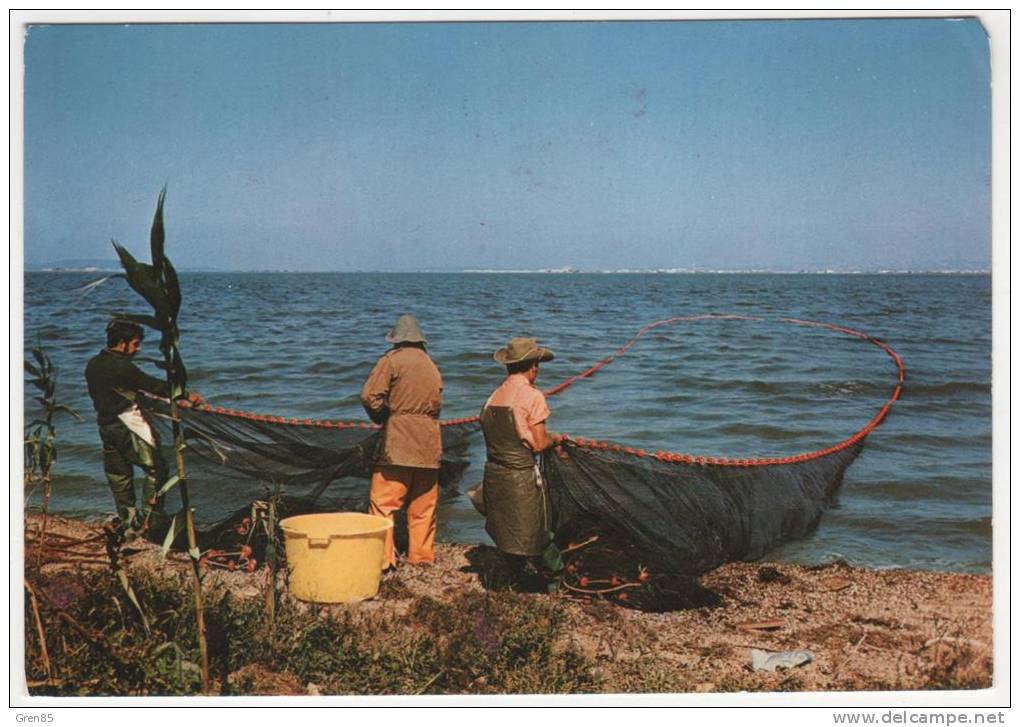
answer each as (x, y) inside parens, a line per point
(527, 402)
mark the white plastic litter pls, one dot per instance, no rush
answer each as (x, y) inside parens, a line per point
(766, 661)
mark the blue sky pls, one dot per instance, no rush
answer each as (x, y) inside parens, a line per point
(783, 145)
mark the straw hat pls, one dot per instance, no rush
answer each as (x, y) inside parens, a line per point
(406, 330)
(522, 349)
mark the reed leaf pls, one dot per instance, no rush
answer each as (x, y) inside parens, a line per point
(168, 485)
(170, 340)
(175, 529)
(68, 410)
(157, 234)
(171, 286)
(47, 455)
(177, 373)
(126, 584)
(144, 280)
(89, 287)
(40, 357)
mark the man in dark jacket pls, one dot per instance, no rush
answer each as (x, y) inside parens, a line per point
(404, 392)
(129, 439)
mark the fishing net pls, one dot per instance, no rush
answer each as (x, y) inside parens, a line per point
(303, 466)
(636, 527)
(641, 529)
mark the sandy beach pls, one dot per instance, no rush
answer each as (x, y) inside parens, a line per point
(864, 629)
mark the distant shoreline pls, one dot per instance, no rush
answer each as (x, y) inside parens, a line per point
(558, 271)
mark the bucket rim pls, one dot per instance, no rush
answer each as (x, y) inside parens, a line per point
(384, 524)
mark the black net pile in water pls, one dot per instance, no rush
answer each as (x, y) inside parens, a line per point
(639, 531)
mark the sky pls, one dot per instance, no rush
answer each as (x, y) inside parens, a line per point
(778, 145)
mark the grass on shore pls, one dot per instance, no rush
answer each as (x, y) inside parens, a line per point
(476, 643)
(463, 640)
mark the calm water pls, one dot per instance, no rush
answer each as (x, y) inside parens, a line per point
(301, 344)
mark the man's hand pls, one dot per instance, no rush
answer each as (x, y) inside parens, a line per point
(380, 415)
(557, 439)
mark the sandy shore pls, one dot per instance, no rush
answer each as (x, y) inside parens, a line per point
(865, 629)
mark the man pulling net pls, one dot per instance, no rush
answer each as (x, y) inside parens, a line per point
(128, 437)
(518, 513)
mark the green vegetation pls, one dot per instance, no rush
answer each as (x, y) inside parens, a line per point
(41, 434)
(477, 643)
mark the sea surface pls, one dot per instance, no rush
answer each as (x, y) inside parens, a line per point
(919, 496)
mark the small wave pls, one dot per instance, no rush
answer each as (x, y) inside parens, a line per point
(977, 526)
(967, 342)
(324, 367)
(884, 489)
(337, 368)
(770, 433)
(763, 387)
(899, 440)
(756, 386)
(675, 399)
(844, 388)
(471, 357)
(948, 528)
(948, 388)
(347, 402)
(48, 332)
(949, 494)
(230, 372)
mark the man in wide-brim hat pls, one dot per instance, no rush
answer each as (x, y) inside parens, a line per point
(518, 515)
(404, 393)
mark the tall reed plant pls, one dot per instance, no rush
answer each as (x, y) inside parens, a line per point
(158, 284)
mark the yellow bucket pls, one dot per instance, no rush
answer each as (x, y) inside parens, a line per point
(335, 557)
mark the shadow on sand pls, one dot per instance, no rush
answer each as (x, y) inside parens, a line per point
(496, 572)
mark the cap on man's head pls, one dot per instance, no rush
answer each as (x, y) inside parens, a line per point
(520, 350)
(406, 330)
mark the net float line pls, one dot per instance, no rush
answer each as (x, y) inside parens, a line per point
(596, 444)
(690, 459)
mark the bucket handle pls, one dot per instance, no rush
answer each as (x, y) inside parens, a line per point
(318, 542)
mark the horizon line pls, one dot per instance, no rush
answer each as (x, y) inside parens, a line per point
(544, 271)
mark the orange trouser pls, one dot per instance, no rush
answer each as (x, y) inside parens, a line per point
(391, 487)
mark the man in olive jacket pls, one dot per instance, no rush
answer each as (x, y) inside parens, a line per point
(128, 437)
(404, 392)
